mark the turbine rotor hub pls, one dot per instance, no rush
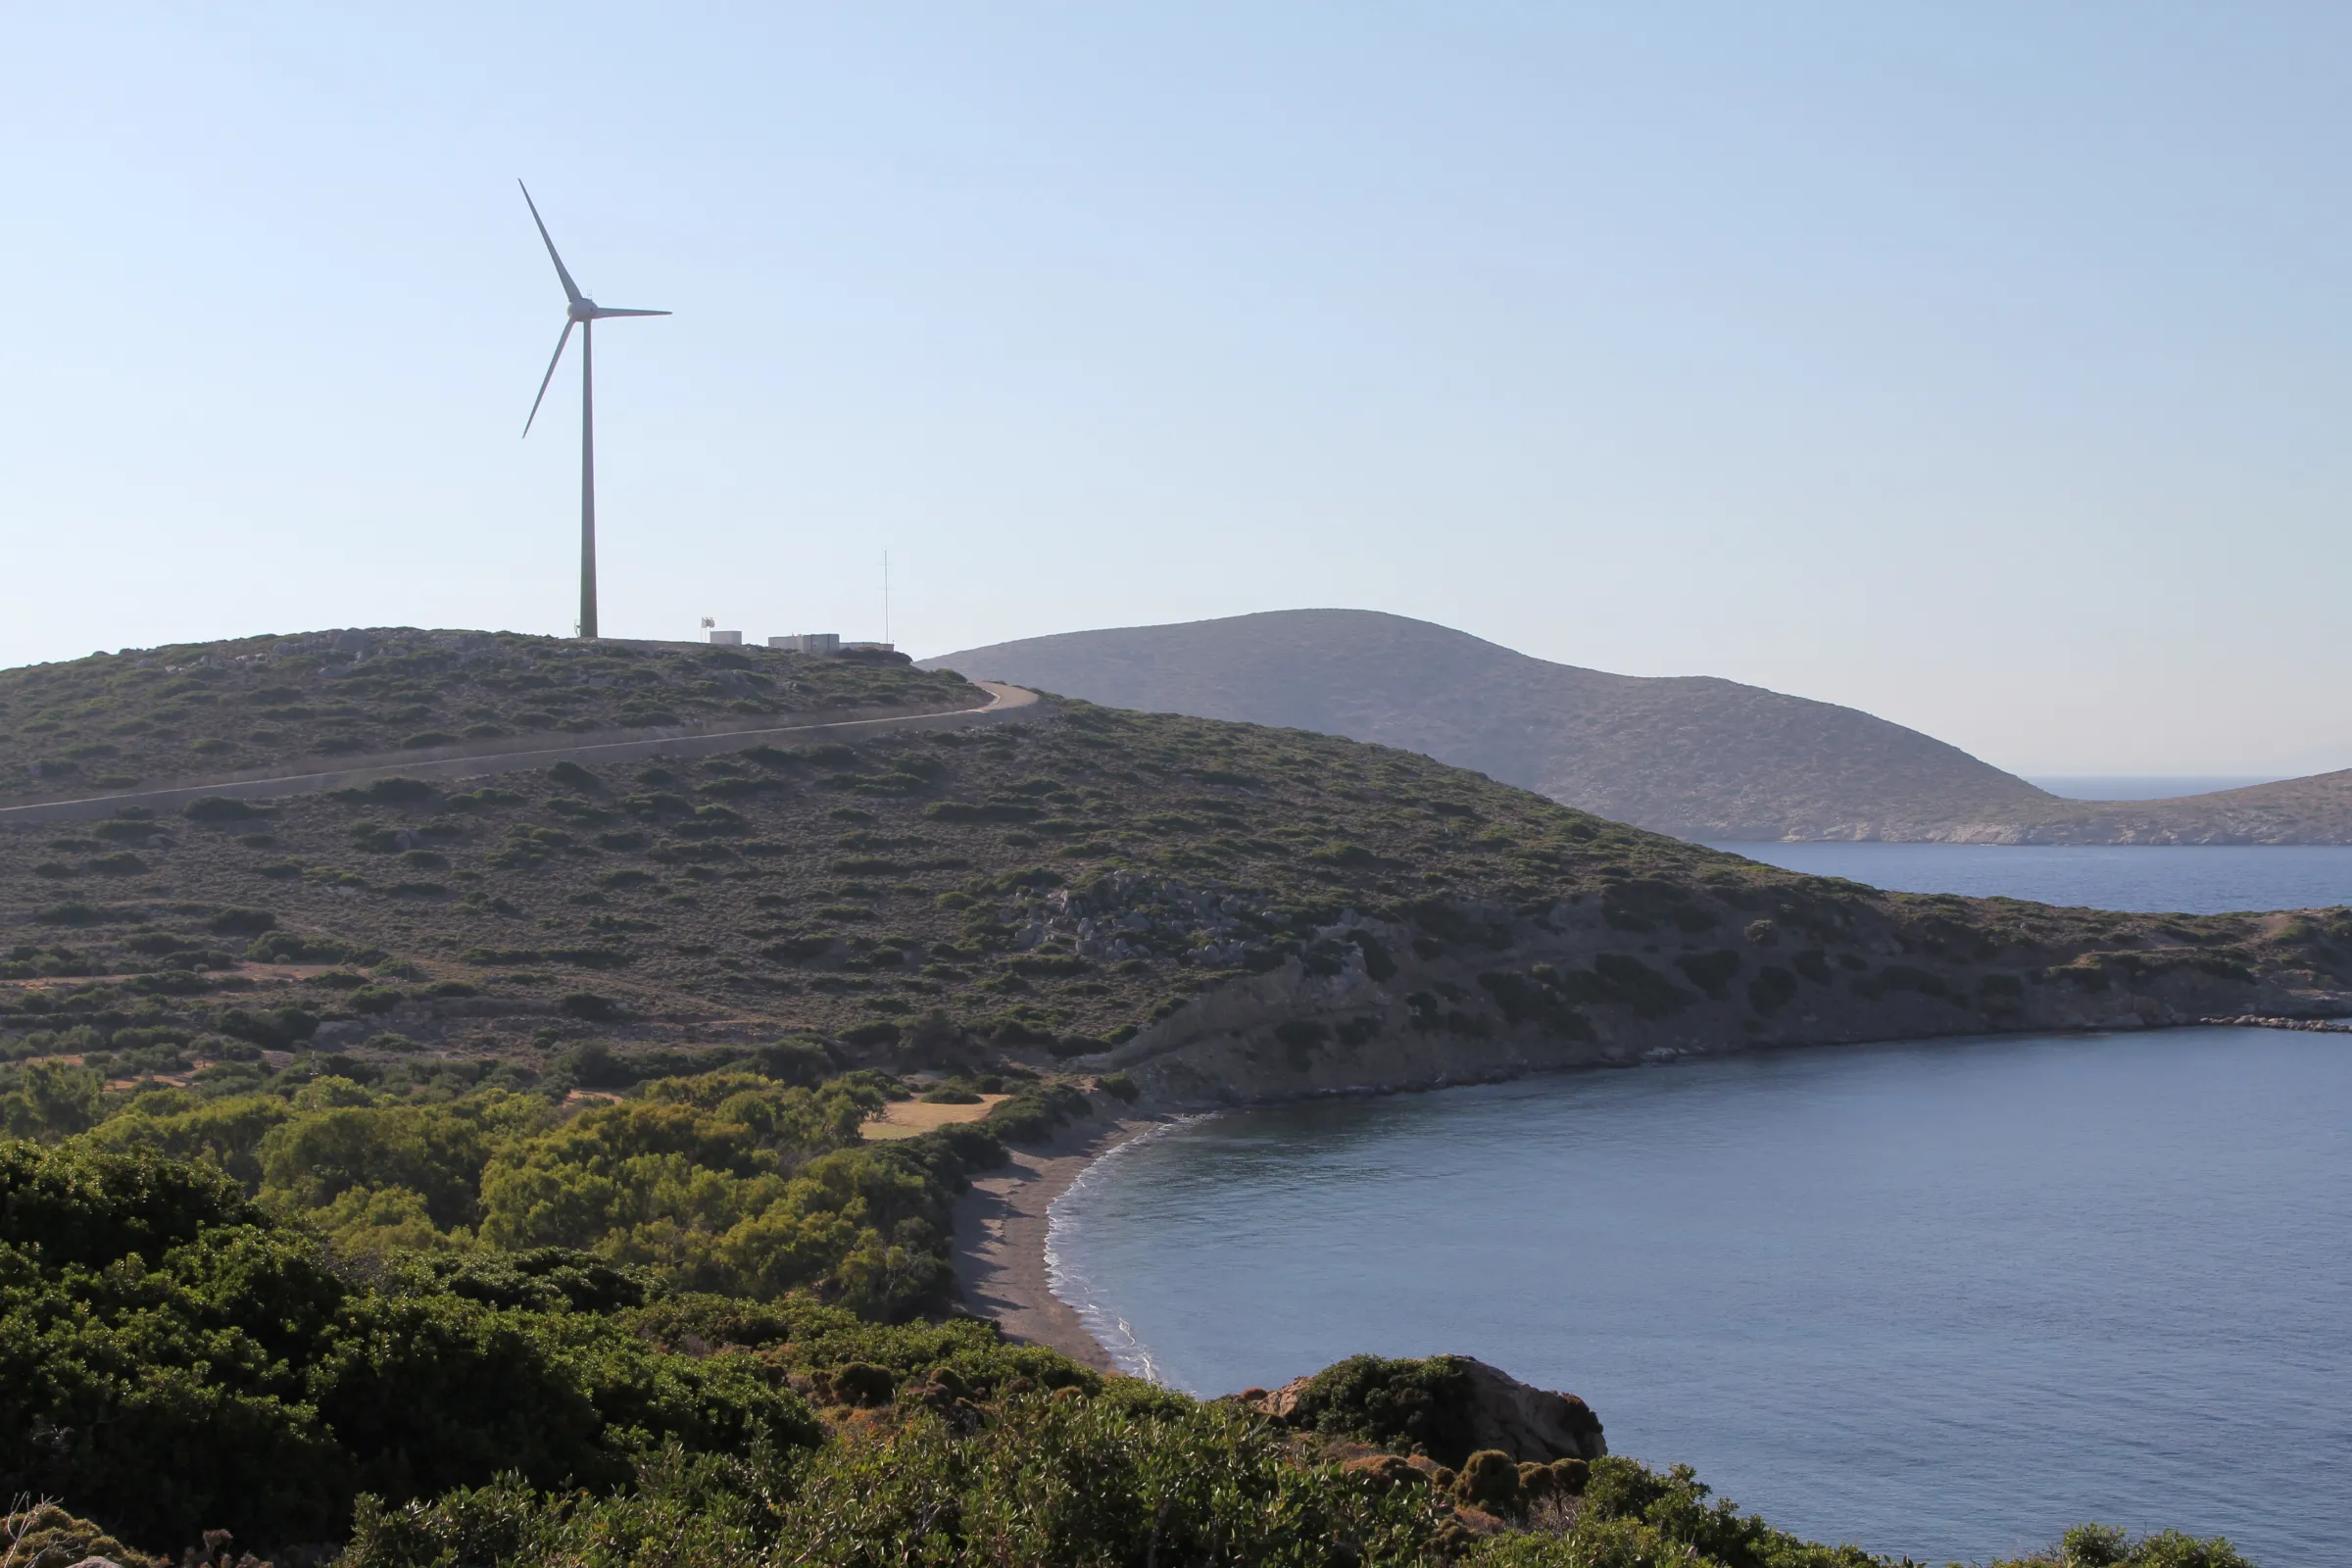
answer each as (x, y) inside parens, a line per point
(584, 310)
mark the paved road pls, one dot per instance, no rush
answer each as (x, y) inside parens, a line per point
(1005, 704)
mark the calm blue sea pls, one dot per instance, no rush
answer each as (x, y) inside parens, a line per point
(1940, 1299)
(2201, 880)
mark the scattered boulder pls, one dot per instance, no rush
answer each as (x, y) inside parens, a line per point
(1531, 1424)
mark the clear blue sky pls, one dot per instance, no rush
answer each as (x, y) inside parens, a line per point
(1981, 365)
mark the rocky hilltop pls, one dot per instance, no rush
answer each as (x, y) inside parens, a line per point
(262, 707)
(1691, 756)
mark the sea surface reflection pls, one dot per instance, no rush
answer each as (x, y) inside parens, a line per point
(1943, 1299)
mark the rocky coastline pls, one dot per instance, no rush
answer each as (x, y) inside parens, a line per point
(1530, 997)
(1003, 1224)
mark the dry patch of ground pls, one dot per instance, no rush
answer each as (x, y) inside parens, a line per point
(910, 1118)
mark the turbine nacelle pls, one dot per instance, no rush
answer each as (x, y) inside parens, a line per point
(587, 310)
(579, 311)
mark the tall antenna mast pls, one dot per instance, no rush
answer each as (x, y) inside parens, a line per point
(886, 596)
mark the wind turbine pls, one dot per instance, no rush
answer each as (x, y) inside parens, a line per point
(582, 313)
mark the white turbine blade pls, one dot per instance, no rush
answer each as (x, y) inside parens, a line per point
(549, 375)
(602, 312)
(571, 290)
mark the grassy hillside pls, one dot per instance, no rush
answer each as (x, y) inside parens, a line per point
(412, 1135)
(1034, 889)
(1694, 757)
(162, 715)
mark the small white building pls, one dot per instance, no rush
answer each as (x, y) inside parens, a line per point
(809, 642)
(726, 639)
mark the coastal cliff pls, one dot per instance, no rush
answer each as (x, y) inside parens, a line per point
(1467, 992)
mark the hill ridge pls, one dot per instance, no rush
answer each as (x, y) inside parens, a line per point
(1696, 755)
(242, 708)
(602, 745)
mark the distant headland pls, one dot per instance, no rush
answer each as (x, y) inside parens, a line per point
(1696, 756)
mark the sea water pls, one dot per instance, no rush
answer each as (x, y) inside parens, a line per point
(2201, 879)
(1942, 1298)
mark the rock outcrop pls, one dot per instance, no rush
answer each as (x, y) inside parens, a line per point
(1448, 1407)
(1373, 1006)
(1530, 1424)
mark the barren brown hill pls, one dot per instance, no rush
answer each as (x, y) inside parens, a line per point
(1691, 756)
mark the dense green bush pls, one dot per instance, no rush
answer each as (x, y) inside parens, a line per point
(173, 1360)
(51, 1099)
(1036, 1481)
(1408, 1406)
(296, 1329)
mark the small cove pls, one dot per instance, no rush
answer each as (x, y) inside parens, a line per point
(1941, 1298)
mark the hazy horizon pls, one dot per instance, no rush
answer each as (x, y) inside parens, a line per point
(1984, 370)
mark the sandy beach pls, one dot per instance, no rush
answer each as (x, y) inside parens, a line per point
(1001, 1240)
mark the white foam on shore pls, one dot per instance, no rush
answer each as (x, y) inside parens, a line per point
(1110, 1331)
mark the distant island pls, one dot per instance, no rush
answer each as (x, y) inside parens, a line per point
(1696, 756)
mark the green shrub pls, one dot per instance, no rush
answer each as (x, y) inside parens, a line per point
(1711, 972)
(589, 1005)
(1489, 1478)
(1034, 1112)
(368, 1001)
(1773, 988)
(276, 1029)
(45, 1535)
(1404, 1405)
(290, 947)
(1526, 998)
(51, 1099)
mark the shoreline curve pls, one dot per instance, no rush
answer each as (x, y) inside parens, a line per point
(1003, 1226)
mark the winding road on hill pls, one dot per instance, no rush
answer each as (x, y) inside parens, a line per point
(1005, 703)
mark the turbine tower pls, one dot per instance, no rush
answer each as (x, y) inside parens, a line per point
(582, 313)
